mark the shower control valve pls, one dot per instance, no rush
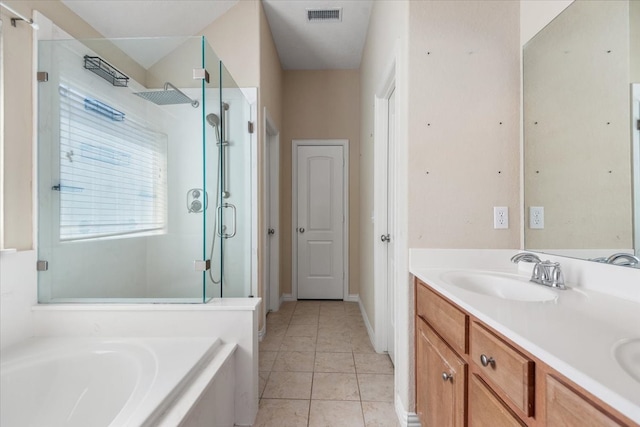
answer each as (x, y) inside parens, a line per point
(197, 200)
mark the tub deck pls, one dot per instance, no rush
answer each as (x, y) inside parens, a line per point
(80, 381)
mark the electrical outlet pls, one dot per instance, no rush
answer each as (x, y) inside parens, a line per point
(536, 217)
(500, 217)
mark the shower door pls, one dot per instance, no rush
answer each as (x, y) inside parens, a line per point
(229, 169)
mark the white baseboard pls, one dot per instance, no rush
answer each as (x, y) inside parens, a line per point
(262, 332)
(372, 335)
(353, 298)
(286, 297)
(406, 419)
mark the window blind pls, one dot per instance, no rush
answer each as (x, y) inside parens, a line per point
(112, 171)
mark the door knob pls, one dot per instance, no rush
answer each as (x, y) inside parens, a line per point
(385, 237)
(271, 231)
(301, 229)
(447, 377)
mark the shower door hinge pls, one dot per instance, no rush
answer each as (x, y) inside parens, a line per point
(638, 125)
(201, 74)
(202, 265)
(42, 76)
(250, 127)
(42, 265)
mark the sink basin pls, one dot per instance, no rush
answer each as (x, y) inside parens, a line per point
(627, 354)
(499, 285)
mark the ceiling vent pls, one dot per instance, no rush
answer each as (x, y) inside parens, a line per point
(324, 15)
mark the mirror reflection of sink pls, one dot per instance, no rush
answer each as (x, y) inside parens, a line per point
(627, 354)
(500, 285)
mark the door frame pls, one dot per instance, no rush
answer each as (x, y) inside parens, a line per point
(344, 143)
(380, 202)
(271, 177)
(635, 153)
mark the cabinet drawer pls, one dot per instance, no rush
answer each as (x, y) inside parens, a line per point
(503, 366)
(486, 409)
(566, 408)
(447, 320)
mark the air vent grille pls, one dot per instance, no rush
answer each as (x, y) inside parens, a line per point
(324, 15)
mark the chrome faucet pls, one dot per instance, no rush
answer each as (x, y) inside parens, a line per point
(545, 273)
(549, 274)
(630, 260)
(525, 256)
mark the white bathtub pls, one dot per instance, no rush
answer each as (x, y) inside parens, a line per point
(65, 381)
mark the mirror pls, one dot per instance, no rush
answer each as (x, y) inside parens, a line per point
(581, 137)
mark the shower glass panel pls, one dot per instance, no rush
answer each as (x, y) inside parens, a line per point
(236, 212)
(127, 169)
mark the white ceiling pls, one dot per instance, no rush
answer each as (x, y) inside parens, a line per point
(149, 18)
(300, 45)
(315, 46)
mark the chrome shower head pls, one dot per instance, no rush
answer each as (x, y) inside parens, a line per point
(169, 96)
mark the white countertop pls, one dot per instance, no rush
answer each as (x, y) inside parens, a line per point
(575, 334)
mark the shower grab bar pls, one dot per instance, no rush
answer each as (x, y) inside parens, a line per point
(194, 102)
(219, 231)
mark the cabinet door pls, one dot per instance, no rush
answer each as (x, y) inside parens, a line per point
(486, 409)
(566, 408)
(441, 381)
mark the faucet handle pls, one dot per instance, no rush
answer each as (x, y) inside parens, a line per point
(557, 278)
(537, 275)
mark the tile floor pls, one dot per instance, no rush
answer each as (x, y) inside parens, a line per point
(318, 368)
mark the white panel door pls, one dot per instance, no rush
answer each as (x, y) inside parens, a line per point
(319, 229)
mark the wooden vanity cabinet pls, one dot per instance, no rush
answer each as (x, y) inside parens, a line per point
(567, 408)
(508, 370)
(441, 380)
(494, 382)
(486, 409)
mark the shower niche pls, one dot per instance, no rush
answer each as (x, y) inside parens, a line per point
(120, 144)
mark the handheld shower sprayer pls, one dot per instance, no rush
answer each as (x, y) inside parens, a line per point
(214, 121)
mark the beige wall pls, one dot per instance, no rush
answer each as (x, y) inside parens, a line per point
(387, 25)
(464, 98)
(320, 104)
(387, 41)
(269, 97)
(235, 37)
(18, 118)
(271, 74)
(634, 13)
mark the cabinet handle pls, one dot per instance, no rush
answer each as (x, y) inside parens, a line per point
(486, 361)
(447, 377)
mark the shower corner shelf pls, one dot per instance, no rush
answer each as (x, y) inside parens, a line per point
(105, 70)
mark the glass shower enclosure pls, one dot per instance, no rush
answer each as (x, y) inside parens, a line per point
(144, 173)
